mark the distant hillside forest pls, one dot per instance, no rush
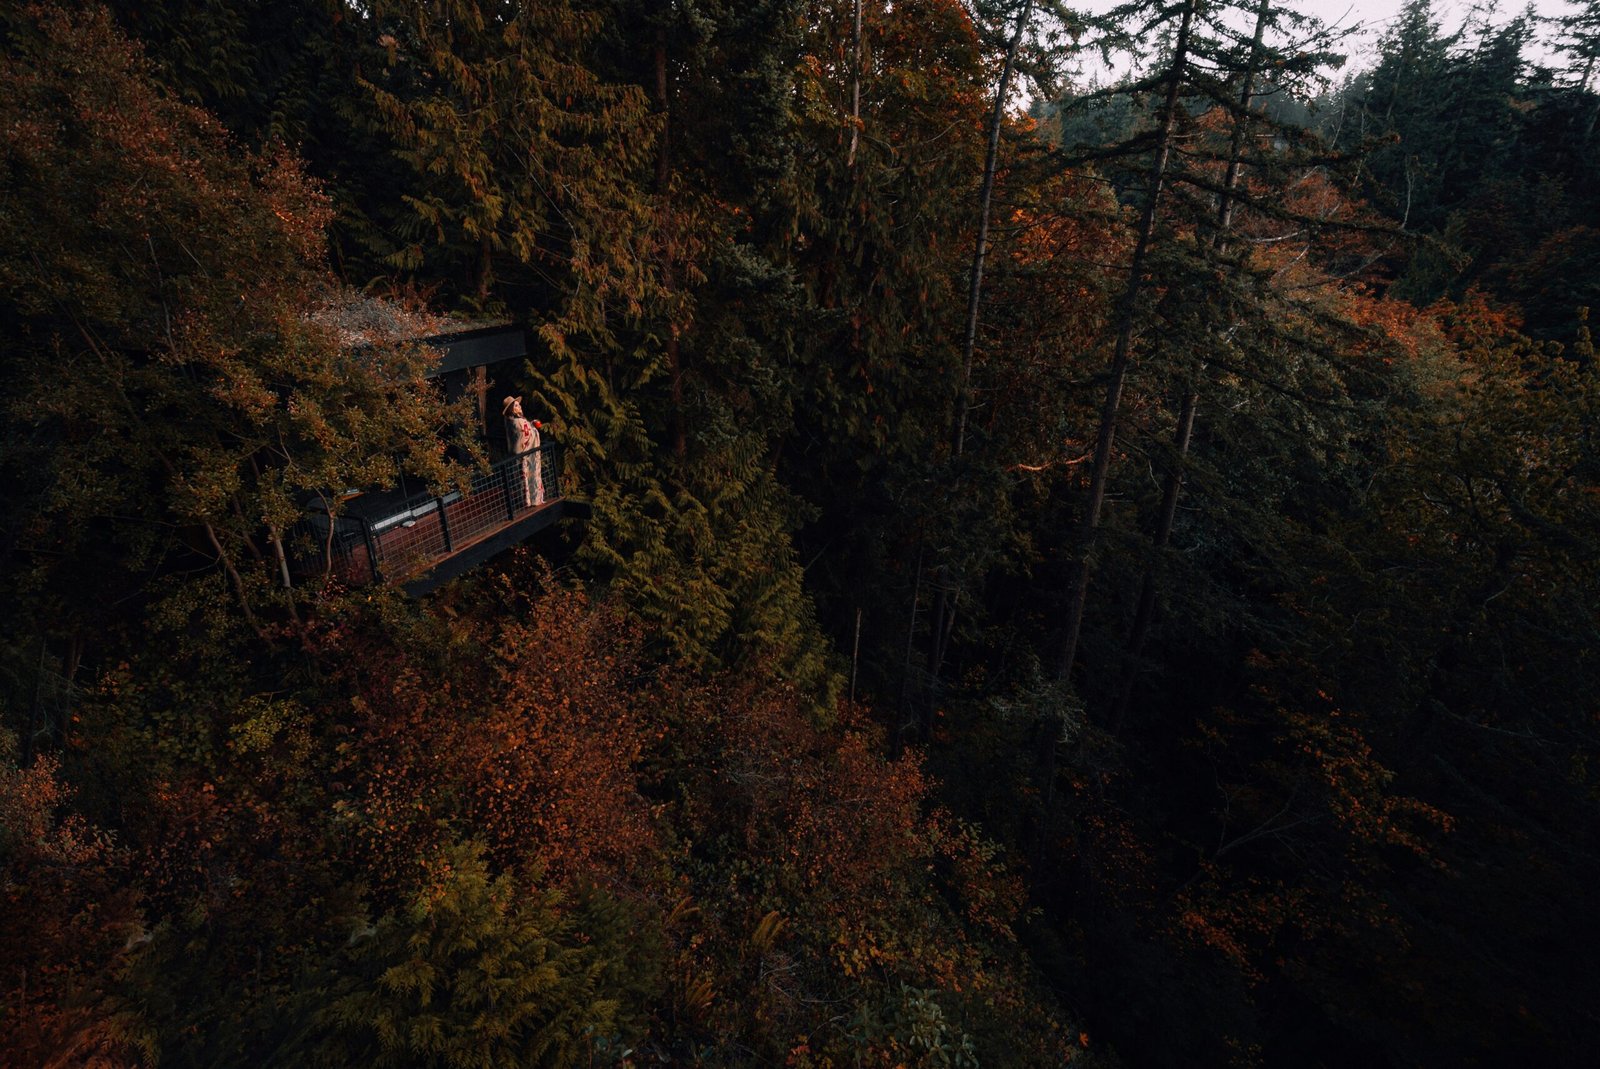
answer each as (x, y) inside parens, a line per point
(1058, 571)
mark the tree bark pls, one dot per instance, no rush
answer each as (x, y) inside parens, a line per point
(855, 655)
(980, 249)
(276, 538)
(855, 88)
(1089, 522)
(1145, 614)
(943, 613)
(898, 744)
(234, 579)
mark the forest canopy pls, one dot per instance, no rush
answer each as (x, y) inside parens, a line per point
(1109, 582)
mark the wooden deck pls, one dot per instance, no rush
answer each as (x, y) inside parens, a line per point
(486, 545)
(419, 541)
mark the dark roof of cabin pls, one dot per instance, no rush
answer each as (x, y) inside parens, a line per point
(476, 344)
(362, 321)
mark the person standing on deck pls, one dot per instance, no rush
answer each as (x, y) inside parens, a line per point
(522, 439)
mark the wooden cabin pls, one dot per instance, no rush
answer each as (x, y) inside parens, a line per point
(411, 537)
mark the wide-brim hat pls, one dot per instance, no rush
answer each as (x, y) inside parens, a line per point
(505, 406)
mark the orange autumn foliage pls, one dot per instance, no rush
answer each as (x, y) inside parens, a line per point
(818, 799)
(59, 873)
(523, 735)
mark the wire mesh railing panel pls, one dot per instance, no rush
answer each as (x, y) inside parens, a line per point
(436, 527)
(478, 514)
(424, 530)
(412, 544)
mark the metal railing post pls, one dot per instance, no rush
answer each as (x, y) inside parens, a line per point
(372, 550)
(444, 524)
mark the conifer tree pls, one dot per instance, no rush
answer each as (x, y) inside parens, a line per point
(482, 971)
(1172, 82)
(1405, 94)
(269, 70)
(1578, 40)
(1208, 66)
(1021, 24)
(881, 241)
(1030, 49)
(521, 159)
(1221, 239)
(694, 523)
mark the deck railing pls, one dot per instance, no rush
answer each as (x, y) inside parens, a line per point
(421, 530)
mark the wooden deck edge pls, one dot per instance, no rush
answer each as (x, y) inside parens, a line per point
(471, 556)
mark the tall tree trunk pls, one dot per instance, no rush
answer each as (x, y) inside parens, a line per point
(980, 249)
(1089, 522)
(276, 538)
(855, 87)
(663, 153)
(898, 743)
(36, 712)
(855, 655)
(1144, 615)
(485, 270)
(943, 613)
(235, 579)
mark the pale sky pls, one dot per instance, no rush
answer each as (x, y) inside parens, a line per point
(1374, 16)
